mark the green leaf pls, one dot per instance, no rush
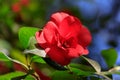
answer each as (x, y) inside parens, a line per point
(4, 57)
(16, 76)
(115, 70)
(63, 75)
(95, 64)
(110, 56)
(19, 56)
(36, 51)
(25, 33)
(82, 67)
(37, 59)
(81, 72)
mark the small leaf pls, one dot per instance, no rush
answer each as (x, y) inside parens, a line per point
(32, 42)
(110, 56)
(36, 51)
(37, 59)
(95, 64)
(115, 69)
(24, 35)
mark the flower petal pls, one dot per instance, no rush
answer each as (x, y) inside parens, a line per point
(85, 52)
(40, 37)
(84, 37)
(50, 32)
(69, 27)
(42, 43)
(58, 17)
(58, 55)
(75, 52)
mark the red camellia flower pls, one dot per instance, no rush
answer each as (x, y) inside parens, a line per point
(16, 7)
(64, 38)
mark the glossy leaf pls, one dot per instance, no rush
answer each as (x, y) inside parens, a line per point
(110, 56)
(94, 64)
(25, 33)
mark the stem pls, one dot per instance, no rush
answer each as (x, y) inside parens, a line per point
(30, 68)
(36, 76)
(26, 56)
(69, 68)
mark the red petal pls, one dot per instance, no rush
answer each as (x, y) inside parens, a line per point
(69, 27)
(41, 40)
(40, 37)
(47, 37)
(75, 52)
(58, 17)
(84, 37)
(58, 55)
(50, 32)
(85, 52)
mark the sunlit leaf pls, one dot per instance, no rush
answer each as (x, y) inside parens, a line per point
(110, 56)
(95, 64)
(115, 70)
(24, 35)
(18, 55)
(36, 51)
